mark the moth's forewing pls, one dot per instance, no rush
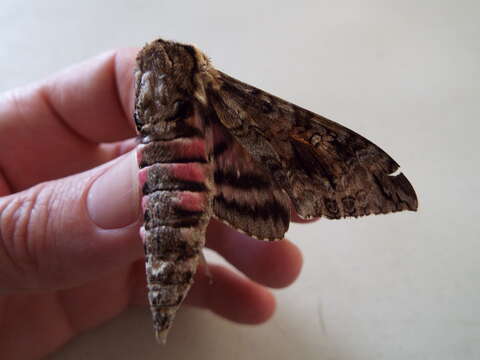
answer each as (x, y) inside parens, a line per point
(326, 169)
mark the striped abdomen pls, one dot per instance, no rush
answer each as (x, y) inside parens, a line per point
(176, 178)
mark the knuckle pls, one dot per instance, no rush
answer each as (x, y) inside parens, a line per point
(23, 224)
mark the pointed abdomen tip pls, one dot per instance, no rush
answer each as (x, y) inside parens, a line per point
(161, 337)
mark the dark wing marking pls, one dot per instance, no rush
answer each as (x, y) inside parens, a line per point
(246, 197)
(325, 168)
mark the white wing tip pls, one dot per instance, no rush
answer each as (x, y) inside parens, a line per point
(396, 172)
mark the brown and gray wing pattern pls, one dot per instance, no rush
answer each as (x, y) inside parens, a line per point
(246, 197)
(326, 169)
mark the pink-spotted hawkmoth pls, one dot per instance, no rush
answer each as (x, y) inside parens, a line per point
(211, 145)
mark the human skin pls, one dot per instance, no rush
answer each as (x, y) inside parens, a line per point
(70, 254)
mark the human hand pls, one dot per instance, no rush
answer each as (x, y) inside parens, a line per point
(70, 254)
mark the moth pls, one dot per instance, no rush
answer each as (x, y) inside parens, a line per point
(213, 146)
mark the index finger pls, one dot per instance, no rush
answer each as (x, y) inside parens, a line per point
(92, 101)
(95, 98)
(56, 127)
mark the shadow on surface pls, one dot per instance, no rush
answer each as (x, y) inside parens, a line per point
(198, 334)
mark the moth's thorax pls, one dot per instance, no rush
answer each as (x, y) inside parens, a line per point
(170, 77)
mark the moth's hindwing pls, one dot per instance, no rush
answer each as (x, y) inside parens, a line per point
(246, 197)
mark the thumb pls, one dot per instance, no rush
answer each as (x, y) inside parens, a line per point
(65, 232)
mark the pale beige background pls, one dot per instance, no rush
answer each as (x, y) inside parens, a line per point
(405, 74)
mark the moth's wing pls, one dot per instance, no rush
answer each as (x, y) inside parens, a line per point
(245, 197)
(326, 169)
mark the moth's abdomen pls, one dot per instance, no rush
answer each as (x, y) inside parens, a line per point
(176, 178)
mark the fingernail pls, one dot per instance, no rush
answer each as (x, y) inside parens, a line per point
(113, 199)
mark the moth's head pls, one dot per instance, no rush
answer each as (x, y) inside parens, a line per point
(168, 78)
(167, 57)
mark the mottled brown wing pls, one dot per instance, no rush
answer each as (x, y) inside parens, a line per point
(326, 169)
(246, 197)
